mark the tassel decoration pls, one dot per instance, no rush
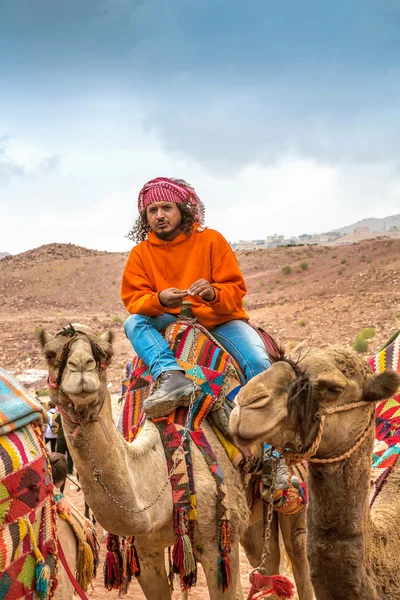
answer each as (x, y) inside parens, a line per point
(42, 572)
(130, 564)
(113, 564)
(224, 571)
(268, 585)
(85, 567)
(183, 560)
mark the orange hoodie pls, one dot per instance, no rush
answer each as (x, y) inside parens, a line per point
(155, 265)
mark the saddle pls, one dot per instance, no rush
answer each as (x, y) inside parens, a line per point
(28, 557)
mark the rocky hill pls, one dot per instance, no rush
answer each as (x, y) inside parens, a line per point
(373, 224)
(304, 296)
(4, 255)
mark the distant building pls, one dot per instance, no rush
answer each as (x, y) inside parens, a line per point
(275, 240)
(362, 229)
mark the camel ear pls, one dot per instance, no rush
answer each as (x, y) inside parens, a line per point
(382, 386)
(44, 337)
(108, 336)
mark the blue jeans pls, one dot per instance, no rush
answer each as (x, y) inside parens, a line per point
(237, 337)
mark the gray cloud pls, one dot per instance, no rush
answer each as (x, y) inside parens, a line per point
(8, 168)
(50, 164)
(234, 128)
(11, 169)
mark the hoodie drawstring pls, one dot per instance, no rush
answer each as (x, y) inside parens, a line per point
(165, 263)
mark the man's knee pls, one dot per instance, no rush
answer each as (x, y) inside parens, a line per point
(260, 363)
(132, 323)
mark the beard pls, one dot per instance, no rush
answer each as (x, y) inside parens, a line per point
(167, 235)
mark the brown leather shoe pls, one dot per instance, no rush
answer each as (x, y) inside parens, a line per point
(174, 389)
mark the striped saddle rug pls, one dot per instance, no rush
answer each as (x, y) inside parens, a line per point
(28, 557)
(387, 444)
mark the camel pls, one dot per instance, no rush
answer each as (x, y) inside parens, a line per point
(323, 408)
(126, 500)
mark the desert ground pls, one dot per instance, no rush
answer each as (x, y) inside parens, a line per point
(304, 296)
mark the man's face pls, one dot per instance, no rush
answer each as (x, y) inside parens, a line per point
(164, 219)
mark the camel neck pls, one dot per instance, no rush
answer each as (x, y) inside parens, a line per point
(98, 448)
(338, 527)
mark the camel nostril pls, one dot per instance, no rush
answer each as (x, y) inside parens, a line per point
(83, 364)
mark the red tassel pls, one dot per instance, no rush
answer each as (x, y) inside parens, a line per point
(267, 585)
(178, 555)
(112, 572)
(113, 564)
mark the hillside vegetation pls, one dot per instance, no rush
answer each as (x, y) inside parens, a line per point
(305, 296)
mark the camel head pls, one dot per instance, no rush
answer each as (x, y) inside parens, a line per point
(77, 359)
(283, 405)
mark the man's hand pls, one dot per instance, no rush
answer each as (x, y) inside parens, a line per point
(172, 297)
(202, 288)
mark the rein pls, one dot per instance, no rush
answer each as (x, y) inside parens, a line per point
(71, 577)
(293, 458)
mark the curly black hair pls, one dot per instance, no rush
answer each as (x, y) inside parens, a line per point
(141, 227)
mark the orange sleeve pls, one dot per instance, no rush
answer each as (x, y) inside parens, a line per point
(137, 292)
(228, 283)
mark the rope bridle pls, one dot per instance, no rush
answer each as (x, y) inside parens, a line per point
(101, 360)
(309, 455)
(292, 458)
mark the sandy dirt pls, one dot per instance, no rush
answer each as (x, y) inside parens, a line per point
(305, 297)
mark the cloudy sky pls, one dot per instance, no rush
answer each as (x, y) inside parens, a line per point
(283, 115)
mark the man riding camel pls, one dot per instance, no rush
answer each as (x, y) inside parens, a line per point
(177, 257)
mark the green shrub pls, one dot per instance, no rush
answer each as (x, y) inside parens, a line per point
(398, 316)
(368, 333)
(343, 261)
(245, 302)
(286, 270)
(302, 323)
(116, 319)
(303, 266)
(361, 344)
(262, 283)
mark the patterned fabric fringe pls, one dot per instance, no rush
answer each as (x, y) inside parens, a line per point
(28, 556)
(87, 542)
(387, 445)
(121, 563)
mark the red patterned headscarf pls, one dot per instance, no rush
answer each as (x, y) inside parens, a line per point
(164, 189)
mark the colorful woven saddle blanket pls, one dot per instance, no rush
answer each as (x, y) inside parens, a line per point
(28, 557)
(387, 442)
(204, 361)
(216, 373)
(86, 537)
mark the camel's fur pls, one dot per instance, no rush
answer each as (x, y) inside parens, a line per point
(352, 551)
(65, 589)
(134, 474)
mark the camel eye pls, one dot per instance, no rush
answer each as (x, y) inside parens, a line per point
(334, 390)
(50, 355)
